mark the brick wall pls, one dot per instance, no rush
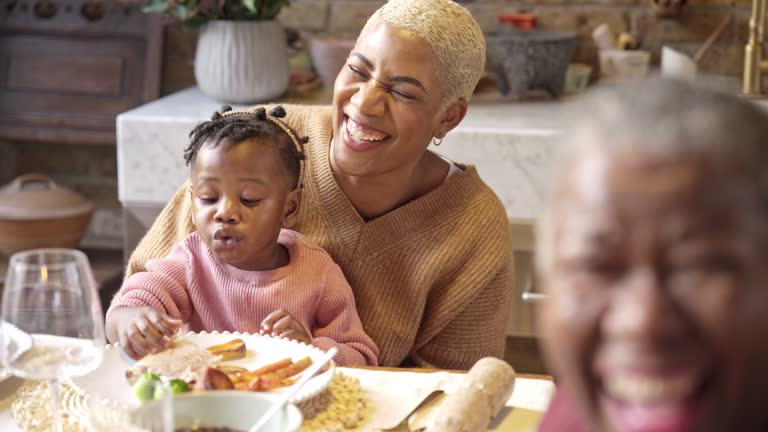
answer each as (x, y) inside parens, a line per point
(686, 33)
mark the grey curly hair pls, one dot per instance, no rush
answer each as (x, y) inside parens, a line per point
(454, 35)
(660, 118)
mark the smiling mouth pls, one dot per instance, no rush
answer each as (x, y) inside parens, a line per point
(653, 403)
(361, 137)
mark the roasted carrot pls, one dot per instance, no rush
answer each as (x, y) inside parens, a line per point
(294, 368)
(265, 382)
(272, 367)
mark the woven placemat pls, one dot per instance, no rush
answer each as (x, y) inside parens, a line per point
(340, 407)
(32, 408)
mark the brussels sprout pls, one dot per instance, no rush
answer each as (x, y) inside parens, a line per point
(176, 385)
(179, 386)
(144, 388)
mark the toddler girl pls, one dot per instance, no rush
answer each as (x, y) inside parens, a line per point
(241, 270)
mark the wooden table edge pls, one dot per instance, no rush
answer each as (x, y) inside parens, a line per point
(429, 370)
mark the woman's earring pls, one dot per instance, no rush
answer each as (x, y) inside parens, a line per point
(436, 141)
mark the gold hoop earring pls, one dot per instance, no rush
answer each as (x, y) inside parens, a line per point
(436, 141)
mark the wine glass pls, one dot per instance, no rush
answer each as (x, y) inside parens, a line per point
(51, 319)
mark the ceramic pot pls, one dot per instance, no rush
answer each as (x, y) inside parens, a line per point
(35, 212)
(530, 59)
(242, 61)
(329, 54)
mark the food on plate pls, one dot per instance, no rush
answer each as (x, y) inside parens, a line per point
(279, 377)
(272, 367)
(149, 387)
(293, 369)
(177, 386)
(213, 379)
(144, 387)
(232, 350)
(189, 366)
(184, 361)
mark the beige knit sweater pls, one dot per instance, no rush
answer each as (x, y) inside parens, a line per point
(432, 279)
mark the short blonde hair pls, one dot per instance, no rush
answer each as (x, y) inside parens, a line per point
(454, 35)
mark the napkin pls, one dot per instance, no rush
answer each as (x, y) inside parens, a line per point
(393, 395)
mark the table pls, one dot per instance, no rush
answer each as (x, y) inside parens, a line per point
(394, 392)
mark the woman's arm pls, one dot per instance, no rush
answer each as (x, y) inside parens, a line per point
(338, 324)
(171, 226)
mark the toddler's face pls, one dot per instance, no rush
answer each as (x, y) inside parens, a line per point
(658, 304)
(241, 196)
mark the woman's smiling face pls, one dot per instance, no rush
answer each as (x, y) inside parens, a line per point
(386, 103)
(658, 301)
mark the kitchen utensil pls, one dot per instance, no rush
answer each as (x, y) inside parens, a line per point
(531, 59)
(711, 39)
(676, 63)
(618, 64)
(37, 212)
(426, 402)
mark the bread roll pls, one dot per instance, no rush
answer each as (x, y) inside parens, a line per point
(478, 398)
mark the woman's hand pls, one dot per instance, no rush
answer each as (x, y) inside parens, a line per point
(143, 330)
(280, 323)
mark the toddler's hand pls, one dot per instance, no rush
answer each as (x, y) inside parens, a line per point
(143, 330)
(281, 323)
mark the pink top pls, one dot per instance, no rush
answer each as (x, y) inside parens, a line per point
(209, 295)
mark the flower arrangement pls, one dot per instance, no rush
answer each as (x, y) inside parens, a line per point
(191, 14)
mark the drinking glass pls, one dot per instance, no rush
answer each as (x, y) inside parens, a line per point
(51, 319)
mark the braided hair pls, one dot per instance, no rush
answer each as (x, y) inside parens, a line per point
(235, 126)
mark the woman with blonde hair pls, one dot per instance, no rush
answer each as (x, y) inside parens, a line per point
(422, 240)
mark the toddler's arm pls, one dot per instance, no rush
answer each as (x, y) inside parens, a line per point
(338, 324)
(141, 330)
(162, 288)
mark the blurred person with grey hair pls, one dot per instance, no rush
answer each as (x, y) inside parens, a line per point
(652, 254)
(422, 240)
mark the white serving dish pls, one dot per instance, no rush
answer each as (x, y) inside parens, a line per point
(108, 384)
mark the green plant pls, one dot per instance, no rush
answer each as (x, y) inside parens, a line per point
(191, 14)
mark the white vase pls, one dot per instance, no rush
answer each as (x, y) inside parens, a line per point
(242, 61)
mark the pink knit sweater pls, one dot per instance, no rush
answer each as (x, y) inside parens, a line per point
(192, 285)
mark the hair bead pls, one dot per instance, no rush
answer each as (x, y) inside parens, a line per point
(278, 111)
(260, 113)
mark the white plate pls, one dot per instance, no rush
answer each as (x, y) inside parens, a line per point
(108, 381)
